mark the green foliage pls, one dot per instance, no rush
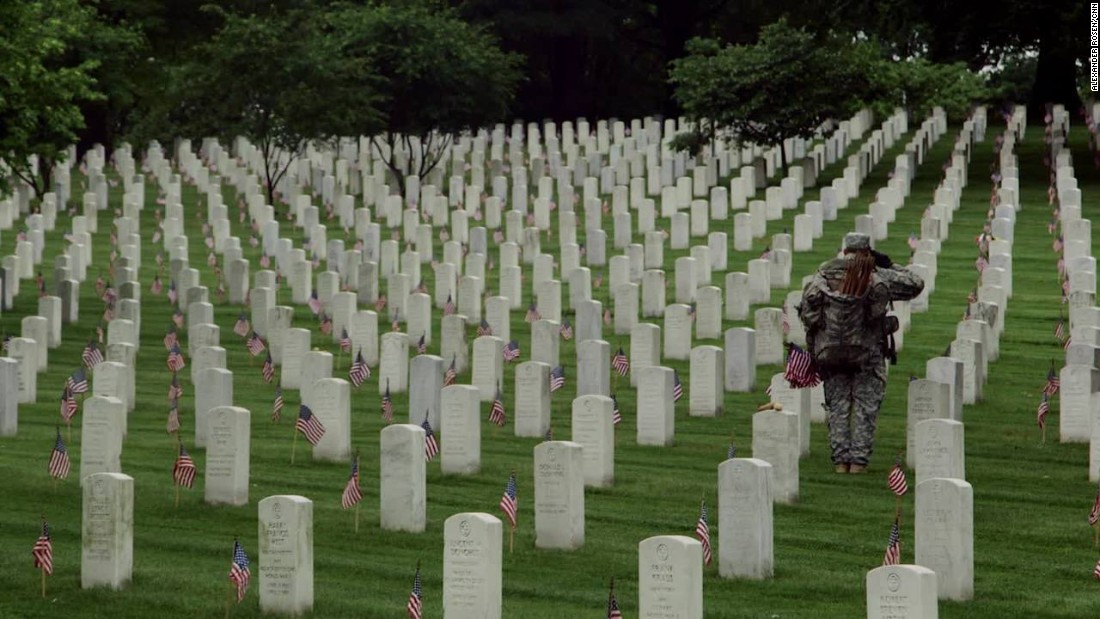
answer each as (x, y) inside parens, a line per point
(784, 86)
(919, 85)
(1013, 80)
(41, 84)
(276, 79)
(691, 142)
(437, 75)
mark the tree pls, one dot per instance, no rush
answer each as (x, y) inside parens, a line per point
(437, 77)
(784, 86)
(276, 79)
(986, 34)
(41, 85)
(919, 85)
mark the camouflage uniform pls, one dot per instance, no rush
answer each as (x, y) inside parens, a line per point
(853, 399)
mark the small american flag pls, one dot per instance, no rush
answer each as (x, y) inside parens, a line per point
(277, 405)
(566, 330)
(1052, 225)
(78, 381)
(175, 391)
(731, 452)
(613, 611)
(387, 405)
(677, 387)
(92, 356)
(157, 287)
(309, 425)
(183, 473)
(786, 321)
(175, 359)
(702, 531)
(549, 436)
(508, 502)
(616, 416)
(358, 372)
(241, 327)
(981, 263)
(1053, 383)
(1041, 413)
(912, 241)
(431, 445)
(620, 363)
(766, 254)
(345, 341)
(1094, 515)
(255, 344)
(59, 458)
(421, 345)
(172, 294)
(497, 415)
(239, 573)
(972, 296)
(607, 318)
(449, 306)
(43, 550)
(1060, 331)
(326, 323)
(268, 369)
(484, 328)
(896, 479)
(532, 313)
(177, 318)
(800, 371)
(557, 378)
(170, 338)
(380, 303)
(1096, 570)
(68, 404)
(893, 547)
(352, 494)
(511, 351)
(451, 374)
(173, 424)
(314, 303)
(1058, 244)
(414, 605)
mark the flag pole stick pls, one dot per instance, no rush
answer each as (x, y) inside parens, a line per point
(293, 445)
(511, 539)
(43, 581)
(229, 601)
(1096, 535)
(357, 505)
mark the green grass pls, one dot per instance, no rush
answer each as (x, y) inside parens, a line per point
(1033, 549)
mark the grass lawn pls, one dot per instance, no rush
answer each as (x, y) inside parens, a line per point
(1033, 549)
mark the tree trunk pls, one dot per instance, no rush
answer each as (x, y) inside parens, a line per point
(1055, 78)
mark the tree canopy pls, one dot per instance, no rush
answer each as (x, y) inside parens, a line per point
(436, 76)
(275, 79)
(784, 86)
(41, 85)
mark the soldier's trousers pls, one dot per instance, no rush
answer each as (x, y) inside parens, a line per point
(852, 402)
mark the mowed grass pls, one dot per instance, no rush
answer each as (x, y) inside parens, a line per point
(1033, 548)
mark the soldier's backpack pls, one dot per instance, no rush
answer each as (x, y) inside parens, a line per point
(842, 340)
